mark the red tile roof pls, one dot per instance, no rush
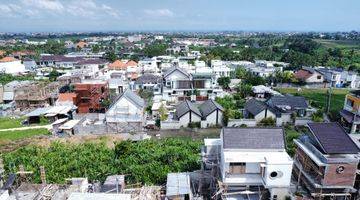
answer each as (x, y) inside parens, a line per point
(131, 63)
(117, 65)
(302, 74)
(8, 59)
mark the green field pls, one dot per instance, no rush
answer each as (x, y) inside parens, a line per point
(6, 136)
(318, 97)
(342, 44)
(7, 122)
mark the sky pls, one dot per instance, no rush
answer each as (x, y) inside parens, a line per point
(179, 15)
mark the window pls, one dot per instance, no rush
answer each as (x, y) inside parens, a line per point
(276, 174)
(273, 174)
(237, 168)
(318, 77)
(340, 169)
(349, 103)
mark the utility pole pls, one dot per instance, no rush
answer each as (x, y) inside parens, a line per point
(328, 100)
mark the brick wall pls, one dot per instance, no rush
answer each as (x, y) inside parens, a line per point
(346, 178)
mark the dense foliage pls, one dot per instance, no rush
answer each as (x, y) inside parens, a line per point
(146, 162)
(6, 78)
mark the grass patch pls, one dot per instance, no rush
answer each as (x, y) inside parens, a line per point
(290, 135)
(318, 97)
(6, 136)
(7, 122)
(342, 44)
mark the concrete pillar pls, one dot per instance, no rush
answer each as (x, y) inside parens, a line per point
(353, 128)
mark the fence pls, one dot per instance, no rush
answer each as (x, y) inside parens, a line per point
(239, 122)
(169, 125)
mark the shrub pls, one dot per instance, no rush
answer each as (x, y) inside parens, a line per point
(269, 121)
(146, 162)
(194, 125)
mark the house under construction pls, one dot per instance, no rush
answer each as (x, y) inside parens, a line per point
(327, 163)
(91, 95)
(36, 94)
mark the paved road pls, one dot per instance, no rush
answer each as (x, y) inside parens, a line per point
(27, 127)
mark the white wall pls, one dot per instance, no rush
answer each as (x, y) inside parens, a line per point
(282, 180)
(185, 119)
(12, 67)
(123, 110)
(211, 119)
(313, 78)
(261, 115)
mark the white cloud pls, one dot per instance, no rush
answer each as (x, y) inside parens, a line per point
(50, 5)
(159, 13)
(44, 8)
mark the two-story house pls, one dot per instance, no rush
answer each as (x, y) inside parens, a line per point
(326, 162)
(177, 84)
(253, 163)
(126, 114)
(350, 115)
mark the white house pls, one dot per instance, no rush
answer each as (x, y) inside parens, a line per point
(178, 83)
(253, 161)
(186, 113)
(10, 65)
(127, 113)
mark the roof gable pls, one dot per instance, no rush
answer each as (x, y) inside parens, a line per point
(255, 107)
(132, 97)
(185, 107)
(174, 69)
(209, 106)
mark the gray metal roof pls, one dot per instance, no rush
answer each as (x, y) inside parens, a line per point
(209, 106)
(131, 96)
(254, 106)
(332, 138)
(38, 112)
(294, 102)
(253, 138)
(172, 69)
(148, 78)
(185, 107)
(178, 184)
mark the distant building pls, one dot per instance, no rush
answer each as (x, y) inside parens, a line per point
(10, 65)
(350, 114)
(309, 75)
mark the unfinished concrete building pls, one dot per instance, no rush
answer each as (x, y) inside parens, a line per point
(326, 162)
(37, 94)
(91, 95)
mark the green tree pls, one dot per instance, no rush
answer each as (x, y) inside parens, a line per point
(155, 50)
(111, 56)
(244, 90)
(224, 82)
(53, 75)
